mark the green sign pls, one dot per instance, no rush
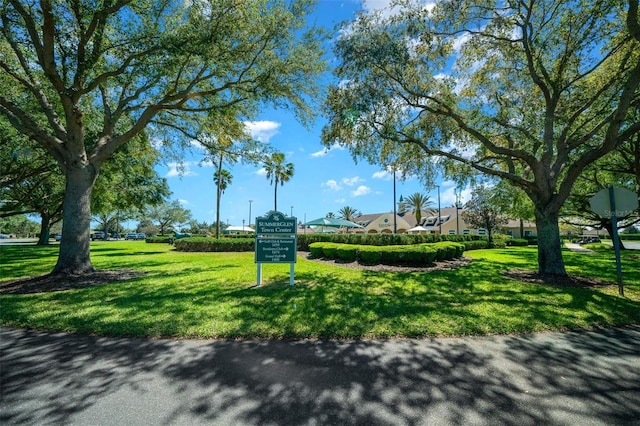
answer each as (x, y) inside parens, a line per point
(276, 250)
(276, 224)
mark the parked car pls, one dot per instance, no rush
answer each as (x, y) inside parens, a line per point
(57, 237)
(131, 236)
(589, 240)
(115, 236)
(141, 236)
(98, 236)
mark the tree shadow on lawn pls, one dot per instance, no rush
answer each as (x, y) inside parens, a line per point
(528, 379)
(386, 304)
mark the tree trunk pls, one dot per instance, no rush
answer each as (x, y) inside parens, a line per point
(74, 257)
(550, 262)
(608, 225)
(218, 196)
(43, 240)
(521, 228)
(275, 196)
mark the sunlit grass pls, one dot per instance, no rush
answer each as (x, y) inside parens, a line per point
(215, 295)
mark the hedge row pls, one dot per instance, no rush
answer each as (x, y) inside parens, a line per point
(305, 240)
(517, 242)
(159, 239)
(213, 244)
(207, 244)
(413, 255)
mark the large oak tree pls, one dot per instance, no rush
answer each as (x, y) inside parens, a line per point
(529, 91)
(114, 68)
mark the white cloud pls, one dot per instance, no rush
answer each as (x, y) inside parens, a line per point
(183, 202)
(325, 151)
(332, 184)
(261, 172)
(448, 196)
(460, 41)
(180, 169)
(262, 131)
(341, 200)
(383, 174)
(362, 190)
(352, 181)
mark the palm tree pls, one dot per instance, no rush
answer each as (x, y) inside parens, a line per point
(222, 179)
(417, 203)
(277, 172)
(349, 213)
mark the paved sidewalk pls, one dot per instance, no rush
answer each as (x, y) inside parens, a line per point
(574, 378)
(577, 248)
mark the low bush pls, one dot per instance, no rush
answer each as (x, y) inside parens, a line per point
(158, 239)
(305, 240)
(369, 255)
(316, 250)
(414, 254)
(205, 244)
(329, 250)
(517, 242)
(475, 245)
(597, 247)
(346, 252)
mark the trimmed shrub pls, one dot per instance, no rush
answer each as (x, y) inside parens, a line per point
(369, 255)
(316, 250)
(347, 252)
(329, 250)
(158, 239)
(205, 244)
(304, 240)
(598, 247)
(475, 245)
(517, 242)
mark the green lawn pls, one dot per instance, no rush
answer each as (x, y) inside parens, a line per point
(214, 295)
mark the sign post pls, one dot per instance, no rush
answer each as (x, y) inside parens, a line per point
(615, 203)
(276, 242)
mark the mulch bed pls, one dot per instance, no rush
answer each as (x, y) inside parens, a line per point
(49, 282)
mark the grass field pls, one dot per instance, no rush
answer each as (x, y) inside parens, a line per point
(207, 295)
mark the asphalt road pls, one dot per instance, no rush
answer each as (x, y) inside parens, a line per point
(574, 378)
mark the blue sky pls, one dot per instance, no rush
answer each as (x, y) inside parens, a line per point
(324, 180)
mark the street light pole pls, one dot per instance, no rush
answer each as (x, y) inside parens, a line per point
(458, 207)
(250, 201)
(439, 211)
(291, 211)
(395, 226)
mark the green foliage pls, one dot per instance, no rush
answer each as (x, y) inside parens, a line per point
(598, 247)
(475, 245)
(173, 69)
(518, 86)
(158, 239)
(370, 255)
(304, 240)
(347, 253)
(167, 215)
(415, 254)
(204, 244)
(316, 250)
(329, 250)
(517, 242)
(278, 172)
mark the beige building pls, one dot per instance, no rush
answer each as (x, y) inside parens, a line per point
(450, 222)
